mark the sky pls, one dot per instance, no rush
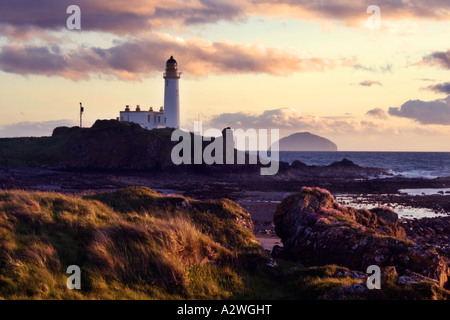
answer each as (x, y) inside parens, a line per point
(367, 82)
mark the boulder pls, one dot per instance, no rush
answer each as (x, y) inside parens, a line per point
(316, 230)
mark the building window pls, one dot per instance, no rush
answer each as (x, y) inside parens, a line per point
(148, 118)
(165, 120)
(154, 119)
(159, 119)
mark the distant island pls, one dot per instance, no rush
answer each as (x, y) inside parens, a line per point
(305, 141)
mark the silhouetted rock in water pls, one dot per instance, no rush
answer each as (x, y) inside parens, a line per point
(296, 164)
(344, 163)
(316, 230)
(344, 169)
(305, 141)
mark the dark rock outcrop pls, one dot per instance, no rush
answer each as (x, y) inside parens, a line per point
(344, 169)
(110, 145)
(344, 164)
(430, 231)
(316, 230)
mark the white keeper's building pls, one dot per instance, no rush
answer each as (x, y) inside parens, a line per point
(167, 116)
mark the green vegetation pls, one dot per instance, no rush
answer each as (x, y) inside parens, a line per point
(138, 244)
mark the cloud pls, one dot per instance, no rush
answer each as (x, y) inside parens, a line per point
(377, 113)
(351, 11)
(117, 16)
(349, 133)
(133, 16)
(437, 59)
(440, 87)
(25, 33)
(136, 58)
(369, 83)
(32, 60)
(425, 112)
(382, 68)
(288, 120)
(33, 129)
(427, 80)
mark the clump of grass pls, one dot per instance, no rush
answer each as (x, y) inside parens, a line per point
(134, 243)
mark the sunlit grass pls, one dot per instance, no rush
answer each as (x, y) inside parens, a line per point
(144, 246)
(138, 244)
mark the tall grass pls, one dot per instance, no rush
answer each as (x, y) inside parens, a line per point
(138, 244)
(133, 243)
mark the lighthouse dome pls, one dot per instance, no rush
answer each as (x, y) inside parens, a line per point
(172, 60)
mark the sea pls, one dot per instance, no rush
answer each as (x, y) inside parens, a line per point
(427, 165)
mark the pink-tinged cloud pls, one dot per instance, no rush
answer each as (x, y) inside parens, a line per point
(425, 112)
(350, 11)
(290, 120)
(116, 16)
(133, 16)
(138, 58)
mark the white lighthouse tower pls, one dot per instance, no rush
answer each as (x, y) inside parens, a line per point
(172, 94)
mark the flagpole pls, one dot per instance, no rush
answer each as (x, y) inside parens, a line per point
(81, 116)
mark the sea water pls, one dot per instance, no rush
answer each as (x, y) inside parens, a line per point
(428, 165)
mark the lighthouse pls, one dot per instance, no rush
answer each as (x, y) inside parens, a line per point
(172, 94)
(168, 116)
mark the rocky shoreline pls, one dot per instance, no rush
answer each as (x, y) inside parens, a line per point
(316, 230)
(430, 232)
(262, 197)
(259, 195)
